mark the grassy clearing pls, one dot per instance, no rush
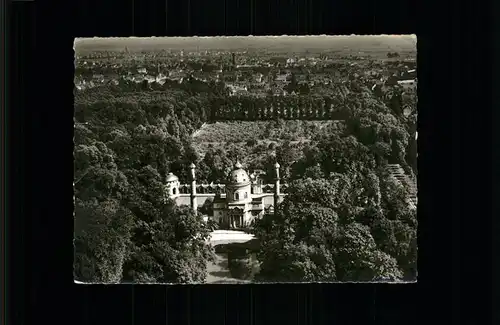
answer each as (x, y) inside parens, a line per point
(254, 140)
(241, 131)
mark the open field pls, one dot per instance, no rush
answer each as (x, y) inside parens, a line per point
(368, 45)
(254, 139)
(294, 130)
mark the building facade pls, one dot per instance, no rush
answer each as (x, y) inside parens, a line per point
(235, 204)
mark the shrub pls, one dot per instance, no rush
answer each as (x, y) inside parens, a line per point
(252, 142)
(207, 207)
(240, 262)
(241, 267)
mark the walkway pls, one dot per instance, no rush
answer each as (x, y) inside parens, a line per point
(223, 237)
(218, 271)
(397, 171)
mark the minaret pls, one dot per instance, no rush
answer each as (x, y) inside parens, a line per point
(194, 203)
(276, 185)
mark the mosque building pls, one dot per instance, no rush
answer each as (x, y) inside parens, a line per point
(237, 203)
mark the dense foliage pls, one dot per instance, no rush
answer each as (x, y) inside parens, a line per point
(125, 229)
(343, 219)
(241, 264)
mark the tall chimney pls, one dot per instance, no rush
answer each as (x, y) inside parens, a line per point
(194, 203)
(276, 185)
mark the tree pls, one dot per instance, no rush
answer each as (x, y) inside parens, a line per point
(286, 154)
(394, 228)
(314, 172)
(219, 163)
(310, 238)
(358, 258)
(293, 84)
(342, 154)
(295, 241)
(396, 103)
(96, 173)
(173, 128)
(411, 154)
(304, 88)
(207, 207)
(146, 195)
(240, 262)
(398, 153)
(102, 240)
(300, 242)
(251, 142)
(171, 249)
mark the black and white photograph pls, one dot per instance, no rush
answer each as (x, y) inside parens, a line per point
(276, 159)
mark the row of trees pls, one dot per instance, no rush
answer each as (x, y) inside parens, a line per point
(335, 106)
(297, 107)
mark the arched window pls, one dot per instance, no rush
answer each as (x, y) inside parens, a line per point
(246, 195)
(236, 196)
(174, 191)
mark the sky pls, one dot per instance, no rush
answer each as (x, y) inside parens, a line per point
(384, 43)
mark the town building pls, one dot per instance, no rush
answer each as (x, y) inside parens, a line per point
(235, 204)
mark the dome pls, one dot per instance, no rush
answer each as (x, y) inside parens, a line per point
(239, 175)
(172, 178)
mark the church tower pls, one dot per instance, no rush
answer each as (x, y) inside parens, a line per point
(238, 197)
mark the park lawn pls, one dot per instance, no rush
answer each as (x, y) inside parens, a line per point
(255, 139)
